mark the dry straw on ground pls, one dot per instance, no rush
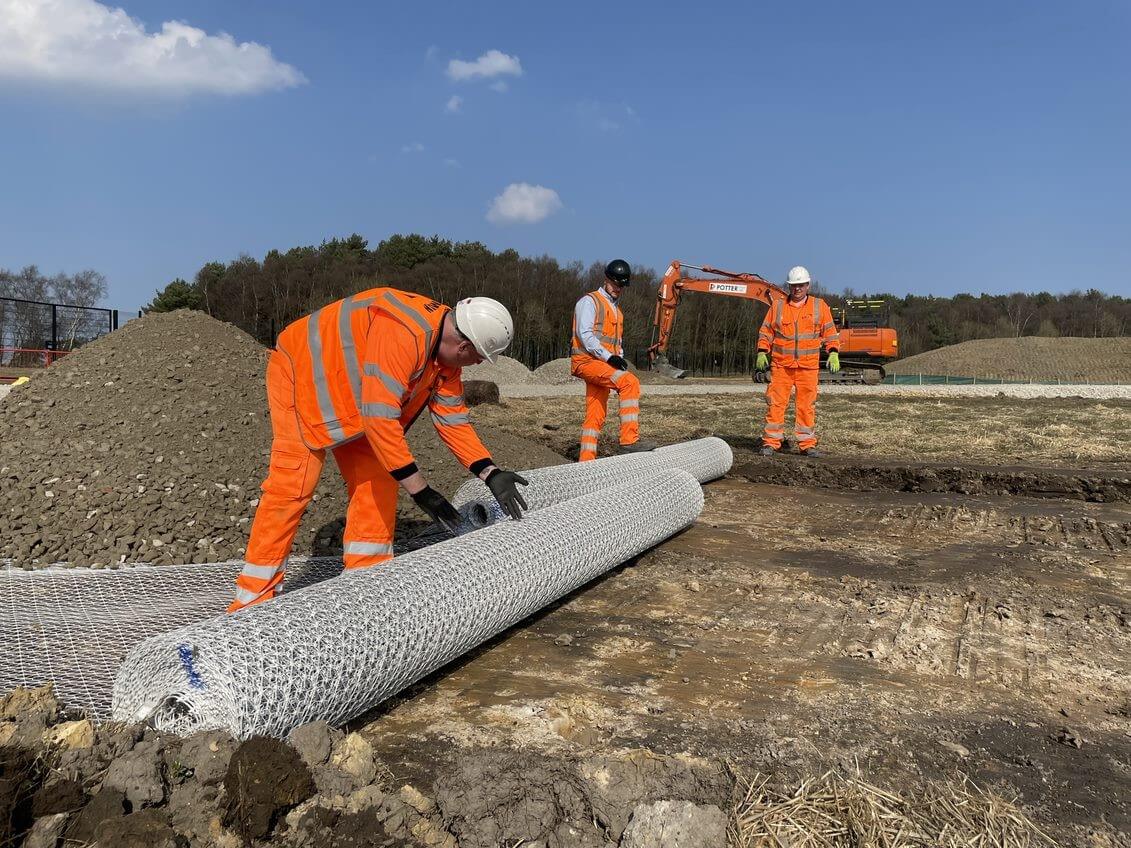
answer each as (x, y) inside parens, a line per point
(835, 811)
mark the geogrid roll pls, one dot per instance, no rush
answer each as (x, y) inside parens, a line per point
(336, 649)
(704, 459)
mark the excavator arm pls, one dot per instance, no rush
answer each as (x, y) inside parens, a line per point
(674, 284)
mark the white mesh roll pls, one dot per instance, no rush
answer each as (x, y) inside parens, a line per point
(336, 649)
(704, 459)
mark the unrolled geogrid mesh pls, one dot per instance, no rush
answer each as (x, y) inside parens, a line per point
(72, 626)
(337, 648)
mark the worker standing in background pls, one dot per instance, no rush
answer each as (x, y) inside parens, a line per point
(352, 378)
(794, 331)
(597, 357)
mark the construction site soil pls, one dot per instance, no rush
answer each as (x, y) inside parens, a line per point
(149, 445)
(1075, 360)
(944, 601)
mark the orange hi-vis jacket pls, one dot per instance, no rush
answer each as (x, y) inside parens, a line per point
(608, 327)
(795, 333)
(366, 366)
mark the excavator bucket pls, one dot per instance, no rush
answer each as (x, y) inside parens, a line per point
(661, 366)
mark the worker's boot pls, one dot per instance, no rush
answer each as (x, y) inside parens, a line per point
(639, 446)
(812, 452)
(766, 450)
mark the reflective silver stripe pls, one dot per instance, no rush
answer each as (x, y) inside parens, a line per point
(380, 410)
(579, 351)
(449, 400)
(604, 338)
(833, 339)
(828, 326)
(451, 419)
(349, 351)
(393, 385)
(630, 416)
(816, 311)
(368, 548)
(797, 352)
(592, 433)
(633, 402)
(777, 315)
(807, 336)
(243, 596)
(415, 316)
(321, 387)
(260, 572)
(617, 375)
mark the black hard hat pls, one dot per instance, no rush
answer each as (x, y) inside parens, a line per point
(619, 272)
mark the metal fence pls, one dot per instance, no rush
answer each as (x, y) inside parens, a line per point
(34, 334)
(980, 380)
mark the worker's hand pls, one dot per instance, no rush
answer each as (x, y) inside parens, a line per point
(504, 486)
(438, 508)
(762, 362)
(834, 361)
(618, 362)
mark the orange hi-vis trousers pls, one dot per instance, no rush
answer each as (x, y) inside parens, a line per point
(783, 379)
(601, 378)
(370, 517)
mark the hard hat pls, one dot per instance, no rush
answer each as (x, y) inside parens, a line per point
(486, 323)
(798, 276)
(619, 272)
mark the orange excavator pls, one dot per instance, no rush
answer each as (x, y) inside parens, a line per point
(865, 340)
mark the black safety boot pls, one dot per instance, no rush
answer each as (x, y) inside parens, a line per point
(639, 446)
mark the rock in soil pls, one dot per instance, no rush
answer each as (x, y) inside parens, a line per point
(675, 824)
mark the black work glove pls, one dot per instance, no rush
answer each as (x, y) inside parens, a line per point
(438, 508)
(503, 485)
(618, 362)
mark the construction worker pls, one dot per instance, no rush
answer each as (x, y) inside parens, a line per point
(794, 330)
(351, 378)
(597, 357)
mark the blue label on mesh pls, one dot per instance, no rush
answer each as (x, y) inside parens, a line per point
(185, 653)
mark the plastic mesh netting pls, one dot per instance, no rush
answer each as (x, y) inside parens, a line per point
(335, 649)
(704, 459)
(73, 626)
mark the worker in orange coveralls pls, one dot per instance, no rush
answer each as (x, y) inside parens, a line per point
(351, 378)
(794, 331)
(597, 357)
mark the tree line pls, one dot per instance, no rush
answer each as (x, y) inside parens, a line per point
(712, 334)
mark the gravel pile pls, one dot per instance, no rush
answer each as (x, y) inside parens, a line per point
(1028, 358)
(505, 372)
(149, 445)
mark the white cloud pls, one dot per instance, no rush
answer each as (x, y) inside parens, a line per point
(415, 147)
(452, 163)
(499, 86)
(431, 52)
(493, 63)
(454, 104)
(84, 43)
(522, 203)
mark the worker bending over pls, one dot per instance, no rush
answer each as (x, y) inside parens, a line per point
(597, 357)
(352, 378)
(794, 330)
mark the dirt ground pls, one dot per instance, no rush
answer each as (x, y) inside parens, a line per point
(1097, 360)
(907, 633)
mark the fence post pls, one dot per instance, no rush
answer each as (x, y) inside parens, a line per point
(114, 320)
(920, 378)
(54, 327)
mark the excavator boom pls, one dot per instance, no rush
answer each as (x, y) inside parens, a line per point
(674, 284)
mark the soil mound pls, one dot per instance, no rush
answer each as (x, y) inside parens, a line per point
(149, 445)
(1026, 358)
(505, 372)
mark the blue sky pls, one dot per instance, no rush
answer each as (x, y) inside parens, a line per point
(894, 146)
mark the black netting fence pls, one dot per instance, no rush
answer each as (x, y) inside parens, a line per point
(34, 333)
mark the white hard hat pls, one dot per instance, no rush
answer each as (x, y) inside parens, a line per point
(487, 324)
(798, 276)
